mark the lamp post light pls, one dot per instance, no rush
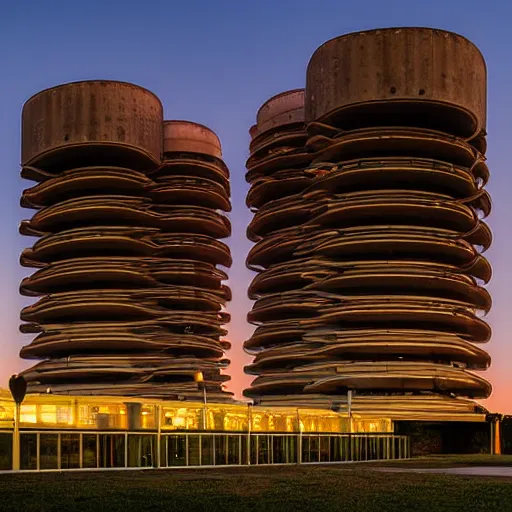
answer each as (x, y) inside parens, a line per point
(18, 388)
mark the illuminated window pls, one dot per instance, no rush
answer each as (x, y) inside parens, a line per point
(6, 413)
(28, 413)
(48, 413)
(64, 415)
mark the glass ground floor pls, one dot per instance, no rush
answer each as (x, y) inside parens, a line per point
(62, 450)
(55, 432)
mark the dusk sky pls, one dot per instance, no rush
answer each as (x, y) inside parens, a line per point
(215, 62)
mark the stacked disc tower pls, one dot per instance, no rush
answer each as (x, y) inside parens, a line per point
(373, 274)
(277, 178)
(128, 303)
(192, 187)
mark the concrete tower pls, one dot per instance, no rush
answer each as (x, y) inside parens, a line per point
(371, 277)
(129, 295)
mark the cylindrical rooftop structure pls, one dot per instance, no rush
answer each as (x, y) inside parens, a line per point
(189, 137)
(415, 76)
(93, 119)
(282, 109)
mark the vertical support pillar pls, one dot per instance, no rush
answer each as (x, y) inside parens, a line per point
(299, 443)
(159, 434)
(16, 439)
(59, 451)
(497, 437)
(494, 421)
(249, 428)
(205, 411)
(75, 413)
(81, 450)
(38, 451)
(349, 403)
(97, 450)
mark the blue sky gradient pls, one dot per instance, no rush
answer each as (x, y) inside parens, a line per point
(215, 62)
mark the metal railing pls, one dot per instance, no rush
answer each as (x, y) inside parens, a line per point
(44, 450)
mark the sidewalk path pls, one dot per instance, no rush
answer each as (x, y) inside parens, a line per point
(503, 471)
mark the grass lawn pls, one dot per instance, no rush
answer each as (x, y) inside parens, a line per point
(346, 487)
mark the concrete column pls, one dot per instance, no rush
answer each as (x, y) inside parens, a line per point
(16, 439)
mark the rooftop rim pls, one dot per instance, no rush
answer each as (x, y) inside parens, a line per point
(389, 29)
(276, 96)
(92, 81)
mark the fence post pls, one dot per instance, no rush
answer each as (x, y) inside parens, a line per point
(126, 450)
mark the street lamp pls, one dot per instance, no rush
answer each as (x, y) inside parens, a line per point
(18, 387)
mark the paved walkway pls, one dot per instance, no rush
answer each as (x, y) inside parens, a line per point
(505, 471)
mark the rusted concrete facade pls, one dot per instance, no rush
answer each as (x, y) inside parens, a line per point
(128, 215)
(368, 193)
(370, 271)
